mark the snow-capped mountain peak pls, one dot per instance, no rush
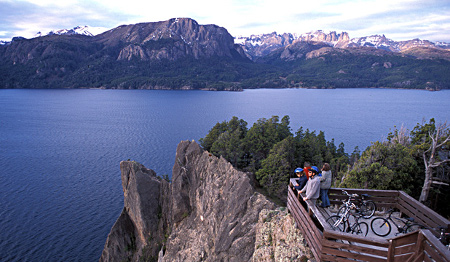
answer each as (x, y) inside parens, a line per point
(78, 30)
(259, 45)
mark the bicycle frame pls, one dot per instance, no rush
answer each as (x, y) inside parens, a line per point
(400, 229)
(348, 227)
(344, 217)
(350, 202)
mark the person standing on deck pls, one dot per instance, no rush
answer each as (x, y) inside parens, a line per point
(325, 184)
(312, 187)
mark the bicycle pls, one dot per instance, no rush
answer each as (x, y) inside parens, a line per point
(382, 227)
(342, 224)
(341, 221)
(365, 207)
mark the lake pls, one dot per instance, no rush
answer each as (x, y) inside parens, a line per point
(60, 149)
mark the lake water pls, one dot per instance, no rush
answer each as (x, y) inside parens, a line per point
(60, 150)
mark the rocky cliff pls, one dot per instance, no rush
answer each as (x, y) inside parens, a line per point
(209, 212)
(171, 39)
(139, 229)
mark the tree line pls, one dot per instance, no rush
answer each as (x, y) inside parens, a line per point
(415, 161)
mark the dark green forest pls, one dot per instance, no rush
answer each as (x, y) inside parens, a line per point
(220, 73)
(271, 151)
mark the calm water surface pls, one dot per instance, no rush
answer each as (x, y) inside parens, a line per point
(60, 150)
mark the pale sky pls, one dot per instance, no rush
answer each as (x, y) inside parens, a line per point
(396, 19)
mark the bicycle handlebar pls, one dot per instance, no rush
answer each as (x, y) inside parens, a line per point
(352, 195)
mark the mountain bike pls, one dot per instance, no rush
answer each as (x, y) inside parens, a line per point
(382, 227)
(341, 222)
(363, 206)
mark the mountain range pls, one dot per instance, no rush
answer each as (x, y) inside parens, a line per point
(261, 45)
(181, 54)
(254, 44)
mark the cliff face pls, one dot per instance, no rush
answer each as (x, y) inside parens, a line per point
(140, 217)
(215, 209)
(171, 39)
(208, 213)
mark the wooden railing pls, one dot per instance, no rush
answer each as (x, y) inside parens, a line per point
(421, 213)
(421, 245)
(327, 244)
(306, 224)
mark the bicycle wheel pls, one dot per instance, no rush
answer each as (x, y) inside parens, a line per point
(413, 227)
(380, 226)
(368, 208)
(361, 228)
(336, 222)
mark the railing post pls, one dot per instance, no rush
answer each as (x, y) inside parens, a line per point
(418, 255)
(391, 249)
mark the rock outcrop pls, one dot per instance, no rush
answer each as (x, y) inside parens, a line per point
(208, 213)
(140, 216)
(278, 238)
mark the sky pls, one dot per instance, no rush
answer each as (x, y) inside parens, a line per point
(396, 19)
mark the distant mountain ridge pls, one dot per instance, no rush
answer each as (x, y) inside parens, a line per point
(274, 40)
(261, 45)
(181, 54)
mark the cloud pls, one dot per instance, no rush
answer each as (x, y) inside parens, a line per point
(402, 23)
(26, 18)
(395, 18)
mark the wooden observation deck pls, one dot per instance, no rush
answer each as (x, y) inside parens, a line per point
(327, 244)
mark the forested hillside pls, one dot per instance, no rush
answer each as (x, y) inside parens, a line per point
(271, 152)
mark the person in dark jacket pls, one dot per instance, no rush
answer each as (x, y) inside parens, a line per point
(301, 181)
